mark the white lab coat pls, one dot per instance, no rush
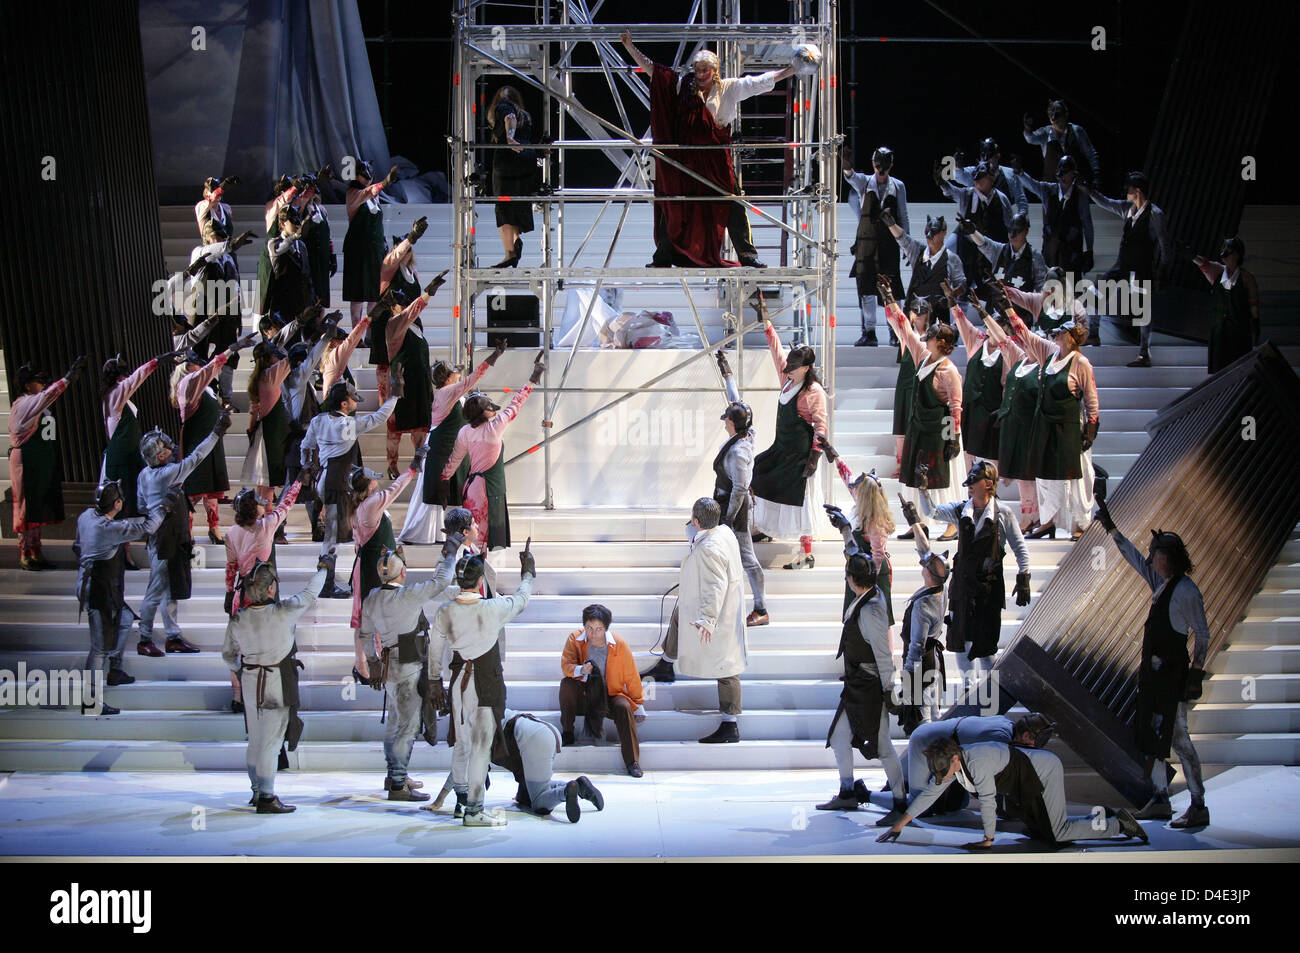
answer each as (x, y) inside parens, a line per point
(712, 591)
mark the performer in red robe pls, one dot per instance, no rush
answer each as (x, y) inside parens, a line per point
(698, 111)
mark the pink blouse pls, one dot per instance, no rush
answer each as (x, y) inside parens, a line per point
(1032, 301)
(273, 207)
(399, 323)
(811, 402)
(26, 410)
(189, 389)
(358, 197)
(445, 397)
(947, 379)
(335, 361)
(370, 511)
(483, 443)
(388, 267)
(268, 390)
(1083, 383)
(245, 545)
(878, 541)
(116, 399)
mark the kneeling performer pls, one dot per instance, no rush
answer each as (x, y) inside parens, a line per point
(526, 746)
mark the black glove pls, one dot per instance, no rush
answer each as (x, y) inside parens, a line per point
(397, 381)
(884, 290)
(326, 561)
(810, 467)
(421, 452)
(887, 219)
(951, 448)
(75, 370)
(937, 173)
(1028, 120)
(959, 156)
(452, 543)
(888, 837)
(196, 266)
(228, 181)
(838, 519)
(432, 287)
(418, 228)
(391, 177)
(301, 183)
(310, 472)
(497, 351)
(173, 499)
(281, 184)
(1103, 514)
(949, 292)
(527, 565)
(538, 366)
(223, 424)
(831, 453)
(1194, 688)
(167, 356)
(910, 515)
(438, 697)
(230, 603)
(242, 239)
(1086, 262)
(846, 157)
(1022, 589)
(965, 226)
(1089, 433)
(1014, 161)
(331, 320)
(334, 264)
(325, 174)
(723, 366)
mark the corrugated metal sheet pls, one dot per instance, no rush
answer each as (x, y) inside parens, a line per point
(1220, 471)
(81, 252)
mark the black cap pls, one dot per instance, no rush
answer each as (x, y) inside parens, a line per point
(1018, 224)
(883, 157)
(1067, 164)
(1137, 180)
(989, 149)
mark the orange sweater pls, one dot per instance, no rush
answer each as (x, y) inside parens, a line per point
(621, 676)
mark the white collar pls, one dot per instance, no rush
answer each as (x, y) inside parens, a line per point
(1059, 360)
(926, 369)
(1026, 367)
(1226, 281)
(700, 536)
(853, 606)
(1134, 214)
(582, 637)
(988, 512)
(989, 355)
(979, 197)
(468, 597)
(928, 258)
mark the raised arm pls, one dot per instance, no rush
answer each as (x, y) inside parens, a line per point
(370, 421)
(401, 322)
(774, 348)
(1117, 207)
(1037, 347)
(638, 57)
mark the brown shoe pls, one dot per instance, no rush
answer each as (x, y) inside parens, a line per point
(406, 793)
(148, 648)
(411, 783)
(757, 618)
(950, 534)
(178, 644)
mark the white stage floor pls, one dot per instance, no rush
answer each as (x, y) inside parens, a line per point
(665, 815)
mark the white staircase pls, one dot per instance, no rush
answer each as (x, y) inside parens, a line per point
(176, 715)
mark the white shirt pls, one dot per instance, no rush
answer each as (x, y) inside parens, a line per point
(725, 95)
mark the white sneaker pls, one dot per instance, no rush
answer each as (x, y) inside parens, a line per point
(489, 818)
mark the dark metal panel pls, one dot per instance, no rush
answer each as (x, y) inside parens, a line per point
(81, 251)
(1233, 501)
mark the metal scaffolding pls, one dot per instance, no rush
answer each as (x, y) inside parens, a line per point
(539, 57)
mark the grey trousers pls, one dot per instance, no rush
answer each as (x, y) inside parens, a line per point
(106, 645)
(753, 568)
(266, 728)
(842, 746)
(475, 730)
(1191, 761)
(537, 752)
(1065, 828)
(728, 688)
(403, 717)
(158, 596)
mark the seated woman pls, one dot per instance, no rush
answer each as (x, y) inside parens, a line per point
(600, 677)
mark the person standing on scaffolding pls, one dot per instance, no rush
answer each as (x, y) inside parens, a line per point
(698, 110)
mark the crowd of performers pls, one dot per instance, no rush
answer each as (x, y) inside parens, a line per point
(1025, 408)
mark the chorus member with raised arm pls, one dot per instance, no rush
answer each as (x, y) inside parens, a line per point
(268, 421)
(423, 513)
(482, 440)
(931, 261)
(1016, 421)
(932, 446)
(1014, 262)
(1067, 219)
(982, 387)
(1168, 681)
(122, 463)
(787, 494)
(1061, 138)
(408, 349)
(918, 313)
(199, 409)
(34, 471)
(1235, 304)
(733, 472)
(399, 275)
(364, 243)
(1145, 253)
(1065, 426)
(372, 534)
(875, 249)
(1004, 180)
(983, 206)
(869, 526)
